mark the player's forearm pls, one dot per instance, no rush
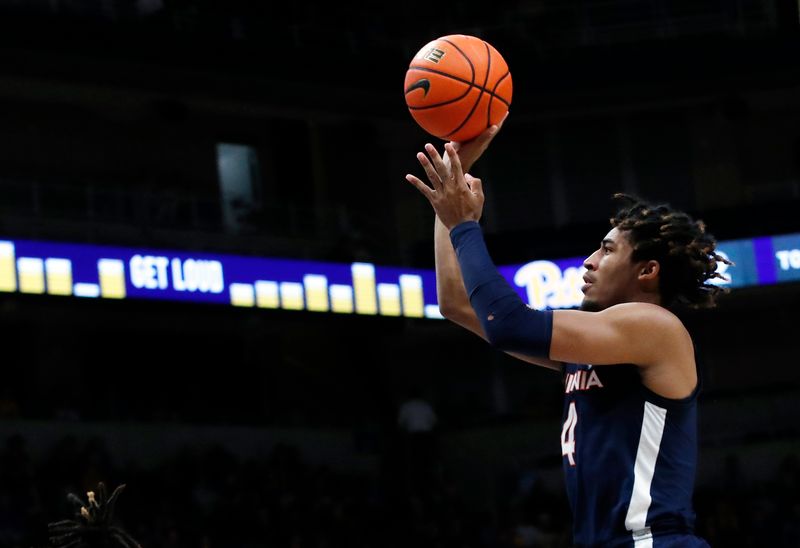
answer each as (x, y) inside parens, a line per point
(509, 324)
(452, 296)
(451, 291)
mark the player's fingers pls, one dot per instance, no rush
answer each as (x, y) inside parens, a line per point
(475, 185)
(503, 121)
(482, 141)
(455, 164)
(438, 162)
(490, 133)
(426, 191)
(430, 171)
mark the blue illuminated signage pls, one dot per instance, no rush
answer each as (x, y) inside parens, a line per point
(786, 257)
(82, 270)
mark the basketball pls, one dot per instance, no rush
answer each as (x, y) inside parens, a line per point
(457, 86)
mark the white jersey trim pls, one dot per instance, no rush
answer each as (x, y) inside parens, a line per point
(653, 423)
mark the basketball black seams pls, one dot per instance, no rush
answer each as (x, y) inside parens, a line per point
(492, 92)
(422, 83)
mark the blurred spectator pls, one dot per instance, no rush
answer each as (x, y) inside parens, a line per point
(417, 422)
(416, 415)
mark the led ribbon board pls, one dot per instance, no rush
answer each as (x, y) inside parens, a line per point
(83, 270)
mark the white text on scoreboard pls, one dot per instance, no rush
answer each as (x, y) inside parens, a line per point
(788, 259)
(160, 272)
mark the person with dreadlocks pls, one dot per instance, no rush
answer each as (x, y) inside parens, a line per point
(629, 436)
(93, 526)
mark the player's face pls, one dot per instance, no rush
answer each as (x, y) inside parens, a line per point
(611, 277)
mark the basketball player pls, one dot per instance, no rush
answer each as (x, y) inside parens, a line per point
(629, 437)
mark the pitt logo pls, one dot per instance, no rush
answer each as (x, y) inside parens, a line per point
(434, 55)
(582, 380)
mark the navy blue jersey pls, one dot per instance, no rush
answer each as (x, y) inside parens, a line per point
(629, 459)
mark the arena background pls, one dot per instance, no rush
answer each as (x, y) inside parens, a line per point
(246, 427)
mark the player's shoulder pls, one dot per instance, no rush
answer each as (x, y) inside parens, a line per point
(661, 339)
(649, 316)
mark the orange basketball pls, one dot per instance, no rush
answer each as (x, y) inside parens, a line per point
(457, 86)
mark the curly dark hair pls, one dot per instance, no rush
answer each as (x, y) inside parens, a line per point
(680, 244)
(93, 524)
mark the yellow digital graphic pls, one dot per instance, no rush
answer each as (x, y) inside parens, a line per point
(31, 274)
(267, 294)
(364, 288)
(316, 291)
(341, 298)
(411, 296)
(59, 276)
(389, 299)
(291, 295)
(111, 273)
(8, 271)
(242, 295)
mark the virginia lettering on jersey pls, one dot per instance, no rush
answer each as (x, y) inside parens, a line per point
(582, 380)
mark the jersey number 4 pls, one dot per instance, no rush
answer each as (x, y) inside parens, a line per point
(568, 434)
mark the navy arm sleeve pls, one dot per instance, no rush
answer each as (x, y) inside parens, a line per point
(509, 324)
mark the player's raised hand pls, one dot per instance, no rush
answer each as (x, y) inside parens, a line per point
(455, 196)
(470, 151)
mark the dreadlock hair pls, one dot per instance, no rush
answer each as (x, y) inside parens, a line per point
(684, 250)
(92, 526)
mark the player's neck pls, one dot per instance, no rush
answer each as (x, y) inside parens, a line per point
(650, 297)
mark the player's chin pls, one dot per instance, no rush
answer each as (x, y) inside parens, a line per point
(589, 305)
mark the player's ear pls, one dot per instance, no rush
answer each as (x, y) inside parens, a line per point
(649, 270)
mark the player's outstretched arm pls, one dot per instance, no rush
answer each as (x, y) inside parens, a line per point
(452, 297)
(638, 333)
(450, 293)
(643, 334)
